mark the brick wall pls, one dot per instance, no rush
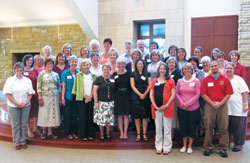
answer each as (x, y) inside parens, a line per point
(33, 39)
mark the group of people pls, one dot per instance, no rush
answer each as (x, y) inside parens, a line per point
(203, 93)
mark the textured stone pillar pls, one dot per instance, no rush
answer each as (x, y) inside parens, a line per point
(244, 32)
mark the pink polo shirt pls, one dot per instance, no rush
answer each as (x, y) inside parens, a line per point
(188, 92)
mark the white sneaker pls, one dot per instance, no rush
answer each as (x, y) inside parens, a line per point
(183, 150)
(189, 150)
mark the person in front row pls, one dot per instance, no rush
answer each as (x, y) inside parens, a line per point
(216, 90)
(162, 95)
(104, 91)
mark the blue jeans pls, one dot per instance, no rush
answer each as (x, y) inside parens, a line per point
(19, 118)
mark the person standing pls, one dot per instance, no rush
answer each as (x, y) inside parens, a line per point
(216, 90)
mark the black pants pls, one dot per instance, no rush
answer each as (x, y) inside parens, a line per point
(86, 118)
(70, 115)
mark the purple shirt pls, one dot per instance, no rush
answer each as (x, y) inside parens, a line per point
(59, 71)
(188, 92)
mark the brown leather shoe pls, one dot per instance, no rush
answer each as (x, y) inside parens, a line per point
(24, 146)
(18, 147)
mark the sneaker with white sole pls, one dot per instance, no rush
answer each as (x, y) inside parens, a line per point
(189, 150)
(183, 150)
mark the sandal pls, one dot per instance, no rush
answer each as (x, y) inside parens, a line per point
(84, 139)
(52, 136)
(75, 136)
(138, 138)
(90, 138)
(108, 138)
(102, 138)
(43, 136)
(145, 138)
(69, 137)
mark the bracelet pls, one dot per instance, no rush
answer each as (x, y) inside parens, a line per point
(166, 105)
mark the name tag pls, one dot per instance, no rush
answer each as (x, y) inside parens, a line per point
(143, 78)
(210, 84)
(116, 76)
(157, 84)
(69, 77)
(26, 73)
(148, 60)
(172, 76)
(112, 80)
(191, 84)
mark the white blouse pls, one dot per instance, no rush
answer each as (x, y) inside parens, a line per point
(20, 89)
(87, 83)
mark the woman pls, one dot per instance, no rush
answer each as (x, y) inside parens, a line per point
(214, 54)
(39, 63)
(175, 75)
(103, 90)
(84, 53)
(187, 94)
(237, 108)
(18, 90)
(47, 52)
(197, 72)
(95, 68)
(206, 65)
(198, 52)
(104, 57)
(136, 54)
(94, 46)
(172, 51)
(61, 64)
(49, 91)
(66, 50)
(32, 74)
(83, 90)
(240, 69)
(222, 62)
(68, 100)
(113, 55)
(140, 82)
(181, 58)
(162, 95)
(122, 102)
(152, 67)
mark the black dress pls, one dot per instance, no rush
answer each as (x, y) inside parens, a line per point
(140, 108)
(122, 93)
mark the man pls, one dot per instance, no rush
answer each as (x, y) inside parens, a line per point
(128, 49)
(141, 45)
(216, 90)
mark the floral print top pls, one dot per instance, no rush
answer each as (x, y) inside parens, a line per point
(48, 83)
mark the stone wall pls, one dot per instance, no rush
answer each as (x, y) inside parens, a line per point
(33, 39)
(116, 19)
(244, 32)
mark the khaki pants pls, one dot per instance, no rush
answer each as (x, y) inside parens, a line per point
(222, 122)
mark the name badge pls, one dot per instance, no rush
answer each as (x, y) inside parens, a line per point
(143, 78)
(191, 84)
(221, 82)
(210, 84)
(172, 76)
(26, 73)
(157, 84)
(69, 77)
(116, 76)
(148, 60)
(112, 80)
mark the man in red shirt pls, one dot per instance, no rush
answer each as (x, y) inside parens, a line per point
(216, 90)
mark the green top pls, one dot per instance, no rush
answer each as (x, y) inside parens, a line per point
(78, 86)
(48, 83)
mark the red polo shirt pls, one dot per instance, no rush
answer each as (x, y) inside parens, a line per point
(216, 90)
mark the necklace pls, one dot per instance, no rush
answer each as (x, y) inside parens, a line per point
(108, 86)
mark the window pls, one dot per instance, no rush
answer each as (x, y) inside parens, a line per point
(152, 31)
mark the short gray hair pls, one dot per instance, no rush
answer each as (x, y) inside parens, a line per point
(174, 59)
(94, 41)
(121, 59)
(230, 63)
(115, 51)
(67, 45)
(85, 60)
(128, 42)
(73, 57)
(205, 59)
(188, 64)
(47, 47)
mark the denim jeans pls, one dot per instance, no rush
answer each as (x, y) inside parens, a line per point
(19, 118)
